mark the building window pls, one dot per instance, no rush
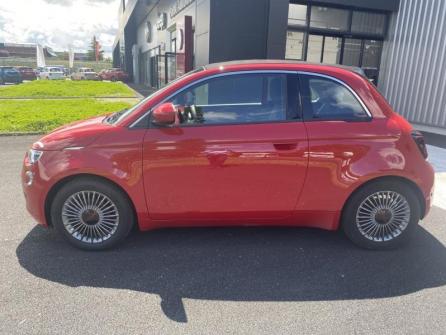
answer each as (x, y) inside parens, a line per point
(297, 15)
(314, 52)
(352, 52)
(329, 18)
(332, 50)
(372, 53)
(368, 23)
(294, 45)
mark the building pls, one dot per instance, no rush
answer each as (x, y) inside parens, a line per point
(399, 44)
(23, 50)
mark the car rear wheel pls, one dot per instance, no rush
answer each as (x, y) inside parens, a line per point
(381, 215)
(92, 214)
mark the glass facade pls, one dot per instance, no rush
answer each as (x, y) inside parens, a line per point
(297, 15)
(372, 53)
(368, 23)
(352, 52)
(315, 43)
(329, 18)
(336, 36)
(332, 50)
(294, 45)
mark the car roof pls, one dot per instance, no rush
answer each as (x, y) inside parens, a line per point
(292, 63)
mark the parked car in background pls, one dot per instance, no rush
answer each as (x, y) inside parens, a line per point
(114, 74)
(9, 74)
(27, 73)
(38, 70)
(51, 73)
(85, 73)
(246, 143)
(65, 70)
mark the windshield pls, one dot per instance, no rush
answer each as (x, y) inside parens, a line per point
(124, 114)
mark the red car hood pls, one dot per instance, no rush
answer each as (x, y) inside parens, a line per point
(76, 134)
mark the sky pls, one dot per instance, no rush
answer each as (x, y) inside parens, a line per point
(59, 24)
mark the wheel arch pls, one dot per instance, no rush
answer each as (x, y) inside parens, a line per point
(57, 186)
(398, 179)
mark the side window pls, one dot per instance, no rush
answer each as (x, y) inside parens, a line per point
(326, 99)
(244, 98)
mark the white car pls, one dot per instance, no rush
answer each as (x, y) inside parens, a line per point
(51, 73)
(85, 73)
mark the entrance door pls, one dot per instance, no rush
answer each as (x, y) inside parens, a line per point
(233, 156)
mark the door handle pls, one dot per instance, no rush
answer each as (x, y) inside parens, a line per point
(285, 146)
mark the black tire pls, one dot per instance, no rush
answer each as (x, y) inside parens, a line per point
(120, 200)
(349, 215)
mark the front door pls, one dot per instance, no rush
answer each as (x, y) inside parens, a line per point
(235, 154)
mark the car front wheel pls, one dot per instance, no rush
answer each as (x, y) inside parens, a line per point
(381, 215)
(92, 214)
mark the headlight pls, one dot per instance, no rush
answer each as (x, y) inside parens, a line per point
(34, 156)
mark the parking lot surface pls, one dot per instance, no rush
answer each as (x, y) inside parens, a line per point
(215, 281)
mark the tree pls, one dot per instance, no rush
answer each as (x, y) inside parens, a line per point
(95, 52)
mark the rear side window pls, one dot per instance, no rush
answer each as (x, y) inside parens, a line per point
(244, 98)
(326, 99)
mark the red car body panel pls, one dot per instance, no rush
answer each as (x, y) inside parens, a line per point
(301, 173)
(27, 73)
(118, 75)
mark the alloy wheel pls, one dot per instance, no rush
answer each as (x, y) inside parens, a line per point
(90, 216)
(383, 216)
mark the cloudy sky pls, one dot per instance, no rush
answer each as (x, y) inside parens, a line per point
(59, 23)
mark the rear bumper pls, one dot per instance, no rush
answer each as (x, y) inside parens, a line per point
(427, 187)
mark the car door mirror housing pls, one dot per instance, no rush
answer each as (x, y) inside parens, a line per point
(164, 114)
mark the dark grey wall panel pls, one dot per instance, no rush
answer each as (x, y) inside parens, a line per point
(277, 28)
(238, 30)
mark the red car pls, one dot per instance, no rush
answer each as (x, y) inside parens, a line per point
(114, 75)
(27, 73)
(247, 143)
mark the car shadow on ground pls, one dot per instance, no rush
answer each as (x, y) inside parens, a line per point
(240, 264)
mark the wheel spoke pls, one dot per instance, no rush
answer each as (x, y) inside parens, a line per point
(383, 216)
(90, 216)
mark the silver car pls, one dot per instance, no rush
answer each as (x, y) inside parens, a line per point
(85, 73)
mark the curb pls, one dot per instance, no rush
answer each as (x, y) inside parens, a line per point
(22, 134)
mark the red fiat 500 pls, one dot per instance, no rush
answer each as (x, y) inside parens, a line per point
(251, 143)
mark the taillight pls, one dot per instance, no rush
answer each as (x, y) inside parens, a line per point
(419, 140)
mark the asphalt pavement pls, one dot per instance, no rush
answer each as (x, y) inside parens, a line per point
(214, 281)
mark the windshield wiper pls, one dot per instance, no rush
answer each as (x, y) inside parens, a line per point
(115, 116)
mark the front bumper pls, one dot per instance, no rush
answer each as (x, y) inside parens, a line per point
(35, 192)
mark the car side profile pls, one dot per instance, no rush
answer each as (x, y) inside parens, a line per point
(85, 73)
(114, 74)
(26, 72)
(9, 74)
(51, 73)
(270, 143)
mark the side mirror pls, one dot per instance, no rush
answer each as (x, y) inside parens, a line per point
(164, 114)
